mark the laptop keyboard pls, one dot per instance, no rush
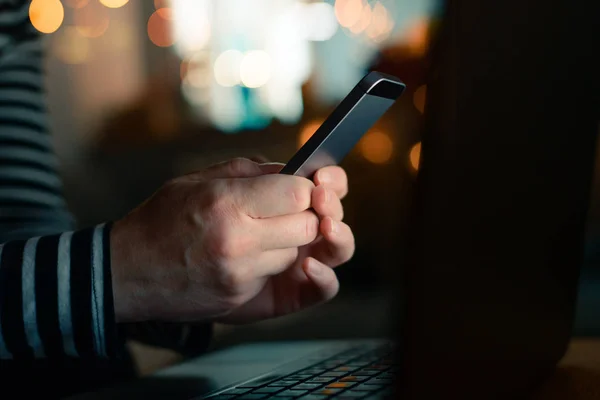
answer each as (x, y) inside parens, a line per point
(357, 373)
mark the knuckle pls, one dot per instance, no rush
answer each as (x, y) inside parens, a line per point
(301, 195)
(239, 166)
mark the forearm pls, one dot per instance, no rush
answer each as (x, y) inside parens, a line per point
(56, 296)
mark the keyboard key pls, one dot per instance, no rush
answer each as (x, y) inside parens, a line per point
(365, 373)
(298, 377)
(268, 390)
(322, 379)
(222, 397)
(313, 397)
(340, 385)
(306, 386)
(327, 392)
(351, 394)
(285, 383)
(336, 374)
(313, 371)
(292, 393)
(367, 388)
(252, 396)
(345, 369)
(353, 378)
(237, 391)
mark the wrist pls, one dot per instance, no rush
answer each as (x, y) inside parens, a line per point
(129, 288)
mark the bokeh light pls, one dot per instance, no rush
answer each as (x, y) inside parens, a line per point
(70, 47)
(382, 23)
(46, 15)
(227, 68)
(308, 130)
(364, 21)
(114, 3)
(158, 4)
(418, 37)
(92, 20)
(348, 12)
(76, 3)
(255, 69)
(159, 30)
(376, 147)
(192, 27)
(320, 21)
(419, 98)
(196, 71)
(415, 156)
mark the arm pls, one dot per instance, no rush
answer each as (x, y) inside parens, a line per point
(55, 291)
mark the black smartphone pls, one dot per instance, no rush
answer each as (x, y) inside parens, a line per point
(350, 120)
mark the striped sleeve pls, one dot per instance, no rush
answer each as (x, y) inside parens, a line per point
(55, 284)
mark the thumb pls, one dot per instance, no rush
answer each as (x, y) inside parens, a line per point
(323, 284)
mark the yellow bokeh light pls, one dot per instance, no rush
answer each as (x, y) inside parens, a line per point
(76, 3)
(159, 30)
(419, 98)
(308, 130)
(92, 20)
(255, 69)
(348, 12)
(415, 156)
(46, 15)
(376, 147)
(114, 3)
(70, 47)
(227, 68)
(364, 21)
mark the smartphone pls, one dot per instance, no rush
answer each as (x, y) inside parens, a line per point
(350, 120)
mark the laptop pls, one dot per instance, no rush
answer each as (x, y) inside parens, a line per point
(488, 278)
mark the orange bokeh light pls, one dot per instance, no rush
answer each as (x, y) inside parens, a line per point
(159, 30)
(46, 15)
(419, 98)
(418, 37)
(348, 12)
(376, 147)
(415, 156)
(308, 130)
(92, 20)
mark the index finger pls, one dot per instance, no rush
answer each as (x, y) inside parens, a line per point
(334, 178)
(272, 195)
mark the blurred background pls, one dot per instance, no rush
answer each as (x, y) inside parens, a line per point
(144, 90)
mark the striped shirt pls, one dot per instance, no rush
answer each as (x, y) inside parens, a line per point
(55, 285)
(55, 281)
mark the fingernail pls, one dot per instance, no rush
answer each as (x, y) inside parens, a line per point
(324, 177)
(314, 267)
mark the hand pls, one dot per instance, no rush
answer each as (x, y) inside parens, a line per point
(207, 243)
(309, 280)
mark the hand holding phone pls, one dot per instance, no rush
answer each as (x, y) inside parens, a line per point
(344, 127)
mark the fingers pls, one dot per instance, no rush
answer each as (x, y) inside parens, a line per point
(326, 203)
(338, 244)
(323, 285)
(272, 195)
(333, 178)
(271, 167)
(273, 262)
(294, 230)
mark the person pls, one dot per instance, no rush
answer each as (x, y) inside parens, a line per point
(234, 243)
